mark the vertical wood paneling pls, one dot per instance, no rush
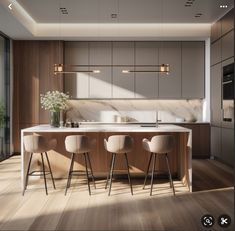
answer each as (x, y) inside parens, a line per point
(33, 74)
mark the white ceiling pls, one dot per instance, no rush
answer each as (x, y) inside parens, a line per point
(91, 19)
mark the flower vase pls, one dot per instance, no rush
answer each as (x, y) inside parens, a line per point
(55, 118)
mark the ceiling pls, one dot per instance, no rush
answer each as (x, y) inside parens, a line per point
(110, 19)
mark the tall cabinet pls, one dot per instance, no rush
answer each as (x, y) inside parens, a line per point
(222, 54)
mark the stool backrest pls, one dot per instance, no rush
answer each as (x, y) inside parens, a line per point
(77, 144)
(119, 144)
(162, 144)
(35, 143)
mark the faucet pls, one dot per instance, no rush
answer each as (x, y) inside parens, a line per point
(157, 120)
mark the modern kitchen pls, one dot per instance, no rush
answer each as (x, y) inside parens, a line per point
(117, 115)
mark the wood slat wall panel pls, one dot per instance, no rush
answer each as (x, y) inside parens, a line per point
(33, 74)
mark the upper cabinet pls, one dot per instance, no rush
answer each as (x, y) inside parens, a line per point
(193, 68)
(146, 84)
(185, 80)
(170, 85)
(100, 84)
(123, 53)
(216, 31)
(227, 22)
(216, 52)
(228, 45)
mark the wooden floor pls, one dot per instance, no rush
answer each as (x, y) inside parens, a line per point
(213, 194)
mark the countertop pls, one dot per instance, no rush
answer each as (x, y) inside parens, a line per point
(109, 128)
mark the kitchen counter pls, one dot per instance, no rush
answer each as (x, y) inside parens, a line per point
(180, 158)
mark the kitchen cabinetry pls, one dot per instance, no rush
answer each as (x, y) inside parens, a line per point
(123, 53)
(228, 45)
(216, 52)
(146, 84)
(216, 31)
(216, 141)
(193, 68)
(100, 84)
(227, 152)
(170, 85)
(227, 22)
(200, 139)
(216, 107)
(77, 84)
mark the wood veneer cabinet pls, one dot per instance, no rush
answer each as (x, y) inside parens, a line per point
(200, 139)
(33, 74)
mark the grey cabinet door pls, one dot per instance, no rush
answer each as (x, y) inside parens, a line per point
(170, 85)
(227, 153)
(100, 84)
(193, 70)
(146, 83)
(123, 53)
(216, 101)
(123, 84)
(216, 31)
(228, 22)
(100, 53)
(216, 52)
(216, 141)
(228, 45)
(77, 84)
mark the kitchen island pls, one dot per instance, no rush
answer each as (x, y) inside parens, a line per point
(180, 158)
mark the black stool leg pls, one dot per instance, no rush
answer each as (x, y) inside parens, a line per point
(153, 170)
(147, 170)
(169, 172)
(88, 181)
(111, 172)
(128, 173)
(49, 166)
(27, 174)
(69, 174)
(106, 185)
(43, 168)
(93, 178)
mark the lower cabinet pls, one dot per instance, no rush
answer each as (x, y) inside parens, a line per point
(200, 139)
(216, 142)
(227, 147)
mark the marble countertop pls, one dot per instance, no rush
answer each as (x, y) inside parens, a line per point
(109, 128)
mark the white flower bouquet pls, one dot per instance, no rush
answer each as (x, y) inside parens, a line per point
(54, 101)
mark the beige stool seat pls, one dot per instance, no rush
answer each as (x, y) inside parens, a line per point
(79, 144)
(38, 144)
(159, 145)
(118, 144)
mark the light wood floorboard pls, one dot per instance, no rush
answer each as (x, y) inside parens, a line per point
(213, 194)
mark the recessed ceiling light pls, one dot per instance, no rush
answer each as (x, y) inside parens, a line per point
(113, 15)
(223, 6)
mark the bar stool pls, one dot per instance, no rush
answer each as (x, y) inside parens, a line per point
(118, 144)
(159, 145)
(38, 144)
(79, 144)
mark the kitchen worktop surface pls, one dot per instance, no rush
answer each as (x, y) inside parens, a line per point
(110, 128)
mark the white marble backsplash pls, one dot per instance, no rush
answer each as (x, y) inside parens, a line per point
(135, 110)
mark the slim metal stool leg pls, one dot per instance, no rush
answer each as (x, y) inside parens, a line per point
(27, 174)
(153, 170)
(69, 174)
(93, 178)
(43, 168)
(88, 181)
(128, 173)
(169, 172)
(49, 166)
(147, 170)
(106, 185)
(111, 172)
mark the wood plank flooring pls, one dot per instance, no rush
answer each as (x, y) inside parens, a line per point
(213, 194)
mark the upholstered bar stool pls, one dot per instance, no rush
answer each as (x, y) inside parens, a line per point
(39, 144)
(118, 144)
(159, 145)
(79, 144)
